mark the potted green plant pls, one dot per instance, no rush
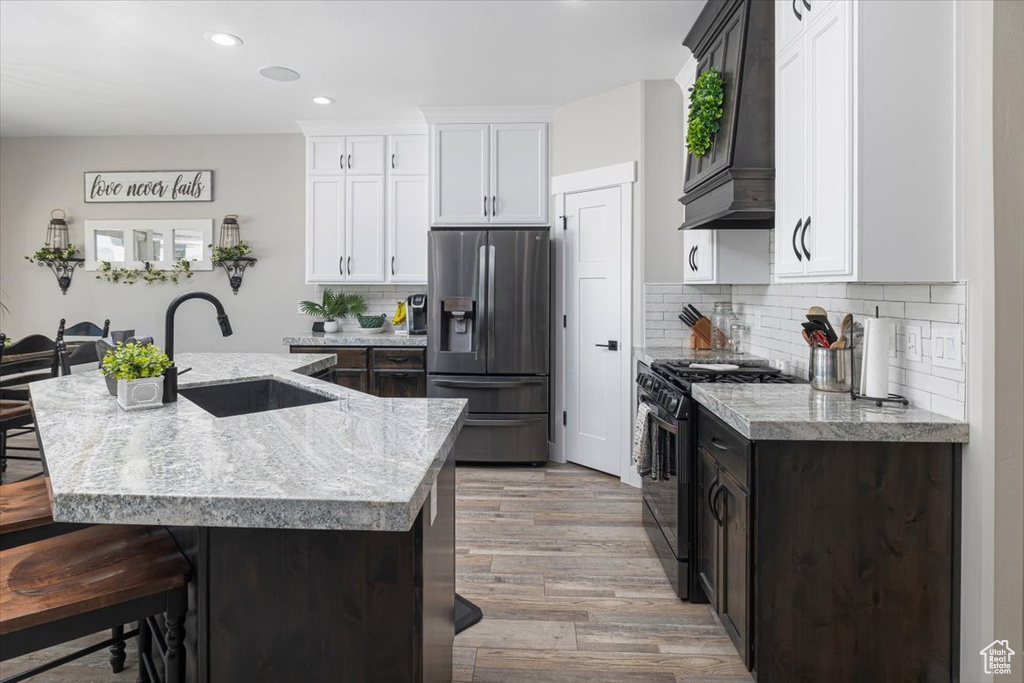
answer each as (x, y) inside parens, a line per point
(139, 371)
(333, 307)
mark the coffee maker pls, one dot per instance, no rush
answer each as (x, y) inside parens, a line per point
(416, 312)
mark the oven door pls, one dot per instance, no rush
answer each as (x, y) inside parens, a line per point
(662, 494)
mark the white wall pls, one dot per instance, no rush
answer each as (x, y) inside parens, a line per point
(259, 177)
(664, 168)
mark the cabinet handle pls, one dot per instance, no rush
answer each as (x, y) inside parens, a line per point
(795, 231)
(803, 238)
(485, 206)
(712, 492)
(806, 4)
(350, 162)
(341, 265)
(696, 250)
(718, 444)
(398, 359)
(392, 265)
(798, 17)
(341, 162)
(349, 265)
(392, 160)
(693, 266)
(494, 206)
(714, 505)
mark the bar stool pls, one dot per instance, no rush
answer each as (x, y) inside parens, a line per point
(27, 360)
(65, 587)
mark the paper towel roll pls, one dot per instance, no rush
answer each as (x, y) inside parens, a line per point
(874, 375)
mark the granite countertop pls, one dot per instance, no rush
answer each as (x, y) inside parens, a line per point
(356, 338)
(355, 463)
(653, 354)
(795, 412)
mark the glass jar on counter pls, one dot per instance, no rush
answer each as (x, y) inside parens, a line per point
(739, 335)
(721, 323)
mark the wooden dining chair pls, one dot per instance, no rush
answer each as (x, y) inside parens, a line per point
(83, 352)
(28, 360)
(66, 587)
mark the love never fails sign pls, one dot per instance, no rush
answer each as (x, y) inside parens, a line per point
(148, 186)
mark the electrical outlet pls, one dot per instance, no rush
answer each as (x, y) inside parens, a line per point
(946, 344)
(892, 341)
(913, 341)
(757, 320)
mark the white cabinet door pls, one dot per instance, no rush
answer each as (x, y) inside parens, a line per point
(407, 154)
(364, 154)
(408, 226)
(519, 173)
(827, 244)
(325, 155)
(791, 174)
(791, 16)
(460, 193)
(364, 229)
(699, 265)
(325, 229)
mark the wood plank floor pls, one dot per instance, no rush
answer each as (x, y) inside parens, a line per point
(558, 560)
(571, 590)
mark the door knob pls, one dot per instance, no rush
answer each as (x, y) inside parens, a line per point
(611, 345)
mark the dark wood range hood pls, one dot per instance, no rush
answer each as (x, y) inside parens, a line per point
(733, 185)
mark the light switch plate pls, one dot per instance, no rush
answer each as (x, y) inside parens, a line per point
(946, 345)
(913, 341)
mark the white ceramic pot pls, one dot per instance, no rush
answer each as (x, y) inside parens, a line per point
(331, 326)
(139, 394)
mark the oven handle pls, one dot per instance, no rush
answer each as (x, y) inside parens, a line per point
(656, 416)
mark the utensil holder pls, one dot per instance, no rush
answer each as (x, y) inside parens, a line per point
(831, 369)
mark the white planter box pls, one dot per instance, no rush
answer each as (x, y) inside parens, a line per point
(139, 394)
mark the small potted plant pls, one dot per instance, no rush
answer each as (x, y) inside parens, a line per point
(139, 371)
(333, 307)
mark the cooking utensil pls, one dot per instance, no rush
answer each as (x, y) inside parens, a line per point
(846, 328)
(821, 339)
(807, 338)
(819, 314)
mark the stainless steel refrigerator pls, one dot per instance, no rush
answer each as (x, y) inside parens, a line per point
(489, 330)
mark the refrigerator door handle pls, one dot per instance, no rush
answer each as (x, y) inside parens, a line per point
(490, 302)
(481, 314)
(475, 384)
(518, 422)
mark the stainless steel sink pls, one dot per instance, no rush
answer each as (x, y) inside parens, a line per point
(250, 396)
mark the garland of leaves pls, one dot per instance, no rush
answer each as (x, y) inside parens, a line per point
(230, 253)
(147, 273)
(705, 110)
(52, 254)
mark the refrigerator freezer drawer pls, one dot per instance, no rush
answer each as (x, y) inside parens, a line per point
(511, 438)
(493, 394)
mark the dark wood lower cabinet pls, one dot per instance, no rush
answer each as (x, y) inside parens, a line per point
(839, 562)
(388, 372)
(312, 605)
(392, 384)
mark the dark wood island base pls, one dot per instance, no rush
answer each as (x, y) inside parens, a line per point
(297, 605)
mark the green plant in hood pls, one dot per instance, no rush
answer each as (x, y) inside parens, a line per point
(706, 97)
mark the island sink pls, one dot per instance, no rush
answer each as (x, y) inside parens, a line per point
(250, 396)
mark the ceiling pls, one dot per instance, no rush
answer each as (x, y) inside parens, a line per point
(84, 67)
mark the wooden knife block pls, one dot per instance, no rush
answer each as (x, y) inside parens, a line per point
(700, 338)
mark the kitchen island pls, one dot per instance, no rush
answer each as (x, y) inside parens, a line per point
(321, 536)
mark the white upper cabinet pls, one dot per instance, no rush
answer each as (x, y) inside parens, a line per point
(865, 180)
(461, 191)
(366, 205)
(407, 228)
(364, 228)
(725, 257)
(364, 155)
(489, 166)
(699, 267)
(519, 167)
(325, 229)
(325, 155)
(407, 154)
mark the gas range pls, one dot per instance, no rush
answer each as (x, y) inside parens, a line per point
(669, 510)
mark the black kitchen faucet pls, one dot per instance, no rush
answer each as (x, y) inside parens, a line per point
(171, 373)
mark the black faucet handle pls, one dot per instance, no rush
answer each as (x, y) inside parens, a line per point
(225, 325)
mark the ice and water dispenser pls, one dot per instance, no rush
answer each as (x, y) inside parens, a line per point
(458, 315)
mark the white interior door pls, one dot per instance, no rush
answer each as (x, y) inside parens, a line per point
(364, 210)
(407, 228)
(325, 229)
(594, 390)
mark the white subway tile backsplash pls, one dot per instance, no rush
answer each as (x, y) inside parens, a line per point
(783, 307)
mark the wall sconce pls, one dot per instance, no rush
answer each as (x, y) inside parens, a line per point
(57, 253)
(232, 252)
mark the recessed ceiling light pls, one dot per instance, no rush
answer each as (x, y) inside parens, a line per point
(224, 39)
(323, 100)
(279, 73)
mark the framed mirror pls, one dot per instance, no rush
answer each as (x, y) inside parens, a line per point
(162, 242)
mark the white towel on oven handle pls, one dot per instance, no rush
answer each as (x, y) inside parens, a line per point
(642, 439)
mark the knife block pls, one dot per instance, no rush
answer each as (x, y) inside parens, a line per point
(700, 338)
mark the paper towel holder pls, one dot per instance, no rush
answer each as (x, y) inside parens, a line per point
(891, 398)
